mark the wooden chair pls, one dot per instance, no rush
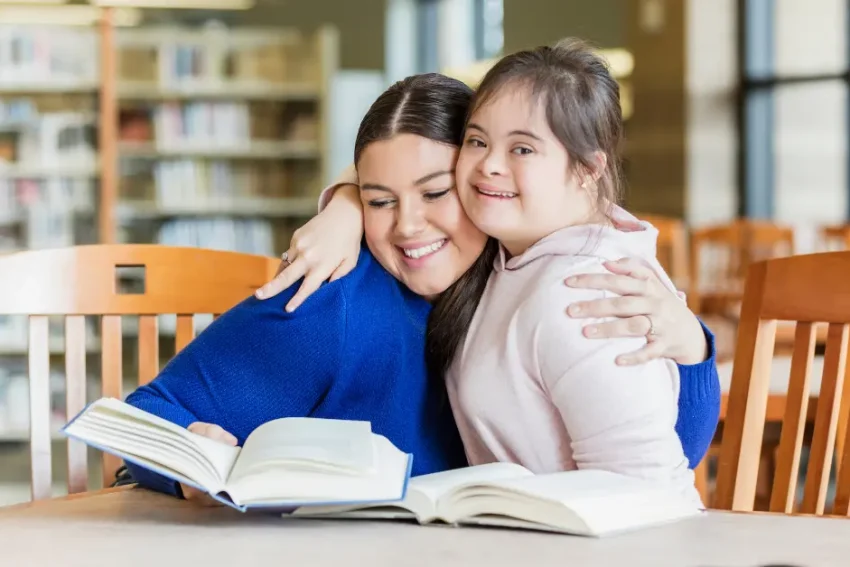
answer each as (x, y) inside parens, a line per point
(835, 237)
(81, 281)
(672, 247)
(717, 287)
(804, 289)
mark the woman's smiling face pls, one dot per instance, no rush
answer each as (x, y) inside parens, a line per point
(413, 220)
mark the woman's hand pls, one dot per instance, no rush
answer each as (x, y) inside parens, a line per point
(215, 433)
(326, 248)
(645, 307)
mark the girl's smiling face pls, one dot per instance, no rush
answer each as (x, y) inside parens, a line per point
(514, 176)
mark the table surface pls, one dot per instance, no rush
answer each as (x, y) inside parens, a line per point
(130, 527)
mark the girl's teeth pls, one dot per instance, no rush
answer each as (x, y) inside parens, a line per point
(424, 251)
(494, 194)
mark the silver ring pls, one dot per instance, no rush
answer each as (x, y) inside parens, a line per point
(651, 332)
(285, 258)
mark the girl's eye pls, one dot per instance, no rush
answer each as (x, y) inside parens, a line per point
(475, 143)
(434, 195)
(522, 151)
(380, 203)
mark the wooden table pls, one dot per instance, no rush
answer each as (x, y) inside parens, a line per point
(130, 527)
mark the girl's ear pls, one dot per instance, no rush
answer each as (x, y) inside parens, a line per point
(600, 162)
(590, 175)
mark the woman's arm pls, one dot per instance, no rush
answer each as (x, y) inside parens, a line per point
(699, 403)
(254, 363)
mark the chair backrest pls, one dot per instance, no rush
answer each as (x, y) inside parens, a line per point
(672, 246)
(719, 256)
(806, 289)
(84, 281)
(835, 238)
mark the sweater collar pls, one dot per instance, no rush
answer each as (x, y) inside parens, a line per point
(625, 236)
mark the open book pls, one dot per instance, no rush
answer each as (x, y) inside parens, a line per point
(584, 502)
(284, 464)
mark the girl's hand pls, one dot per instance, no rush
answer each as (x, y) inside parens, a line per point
(215, 433)
(324, 249)
(644, 304)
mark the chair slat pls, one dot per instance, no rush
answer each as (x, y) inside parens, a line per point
(112, 377)
(794, 425)
(841, 506)
(185, 332)
(826, 420)
(75, 384)
(148, 348)
(743, 430)
(40, 434)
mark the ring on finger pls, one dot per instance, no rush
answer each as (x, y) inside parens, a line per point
(285, 259)
(651, 332)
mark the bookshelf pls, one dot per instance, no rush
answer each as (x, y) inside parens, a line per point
(200, 136)
(221, 134)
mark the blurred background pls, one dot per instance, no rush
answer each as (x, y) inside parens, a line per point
(215, 123)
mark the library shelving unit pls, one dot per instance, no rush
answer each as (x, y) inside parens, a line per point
(221, 135)
(203, 136)
(49, 169)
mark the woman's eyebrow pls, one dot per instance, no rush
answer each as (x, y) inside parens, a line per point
(430, 176)
(420, 181)
(374, 187)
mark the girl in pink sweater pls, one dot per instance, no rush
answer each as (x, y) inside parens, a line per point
(539, 171)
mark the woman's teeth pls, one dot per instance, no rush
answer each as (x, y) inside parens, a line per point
(425, 250)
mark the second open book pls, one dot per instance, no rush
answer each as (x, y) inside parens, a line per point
(586, 502)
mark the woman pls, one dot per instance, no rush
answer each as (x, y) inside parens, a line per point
(356, 350)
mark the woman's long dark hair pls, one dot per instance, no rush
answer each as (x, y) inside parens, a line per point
(435, 107)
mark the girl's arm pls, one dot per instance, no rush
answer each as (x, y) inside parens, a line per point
(619, 418)
(254, 363)
(638, 299)
(327, 247)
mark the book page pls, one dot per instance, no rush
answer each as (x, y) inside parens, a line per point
(437, 485)
(122, 429)
(302, 443)
(298, 485)
(424, 493)
(583, 501)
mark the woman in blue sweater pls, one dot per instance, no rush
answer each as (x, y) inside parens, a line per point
(357, 348)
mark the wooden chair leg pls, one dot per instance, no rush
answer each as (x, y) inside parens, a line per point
(701, 481)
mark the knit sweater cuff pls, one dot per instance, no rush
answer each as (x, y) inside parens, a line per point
(699, 382)
(153, 481)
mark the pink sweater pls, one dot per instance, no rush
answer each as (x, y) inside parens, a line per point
(527, 387)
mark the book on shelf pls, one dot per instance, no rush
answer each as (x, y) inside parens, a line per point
(591, 503)
(284, 464)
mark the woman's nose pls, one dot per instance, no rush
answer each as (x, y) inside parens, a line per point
(411, 220)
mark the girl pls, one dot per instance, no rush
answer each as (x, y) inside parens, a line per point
(539, 171)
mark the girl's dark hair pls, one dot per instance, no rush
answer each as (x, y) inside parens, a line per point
(435, 107)
(581, 101)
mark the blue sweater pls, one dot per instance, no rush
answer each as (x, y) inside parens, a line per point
(354, 350)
